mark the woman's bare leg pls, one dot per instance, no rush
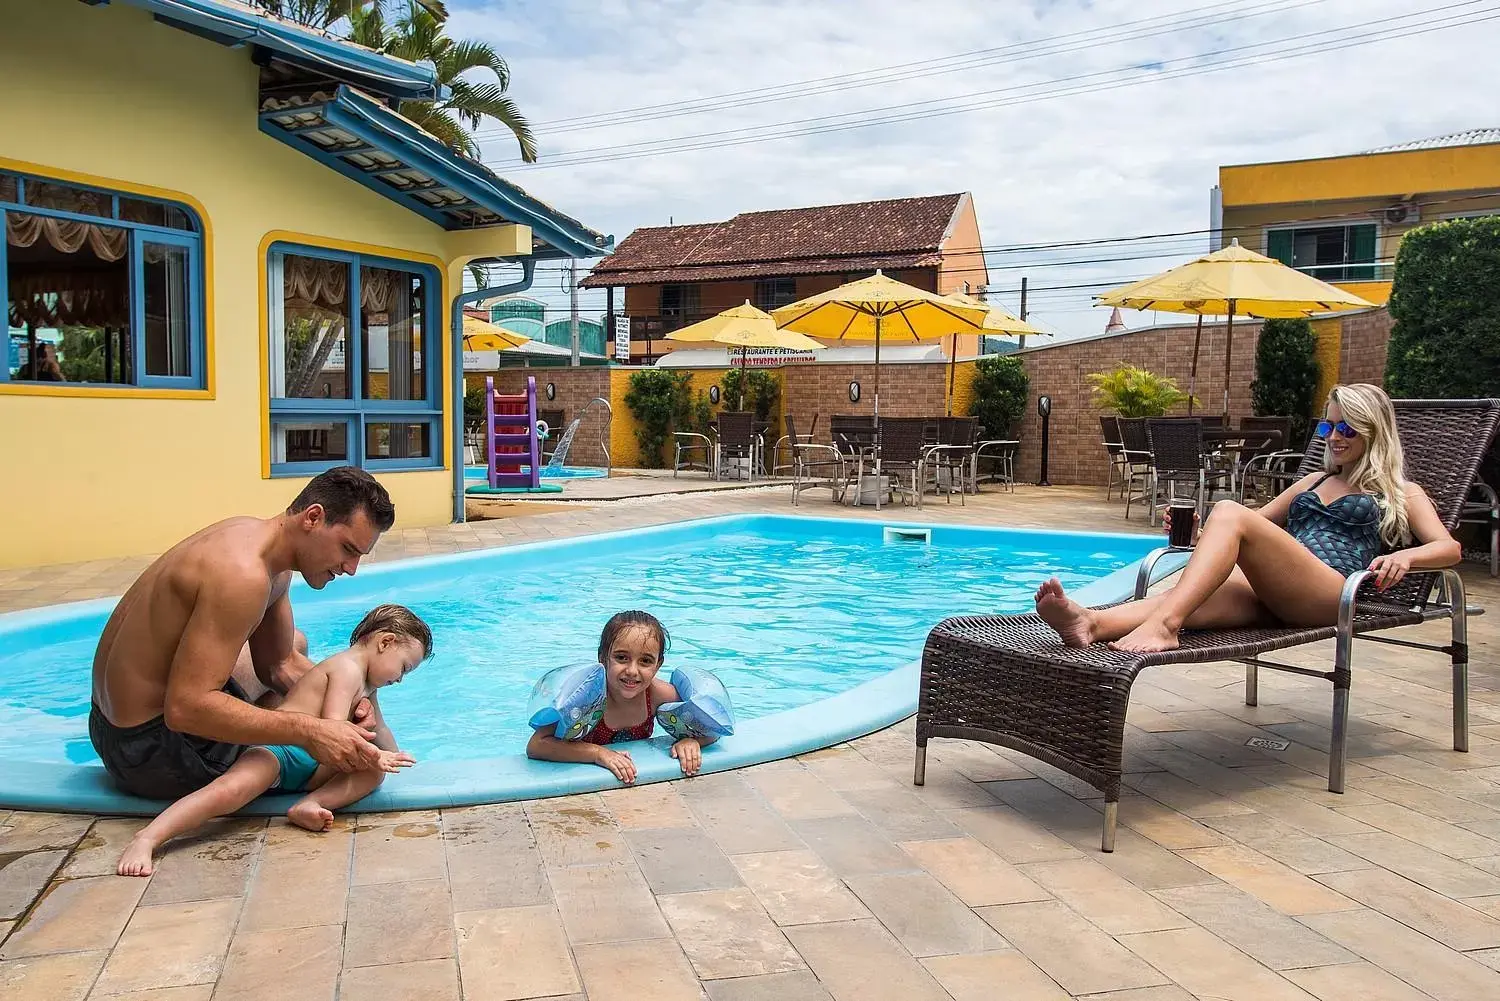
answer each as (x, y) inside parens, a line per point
(247, 778)
(1283, 574)
(1233, 604)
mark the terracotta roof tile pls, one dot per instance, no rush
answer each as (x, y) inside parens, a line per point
(894, 233)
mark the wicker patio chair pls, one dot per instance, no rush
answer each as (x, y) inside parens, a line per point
(1114, 448)
(1136, 454)
(815, 465)
(953, 454)
(737, 441)
(1006, 679)
(1177, 459)
(902, 449)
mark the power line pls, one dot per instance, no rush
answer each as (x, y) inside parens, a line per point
(1176, 23)
(1398, 26)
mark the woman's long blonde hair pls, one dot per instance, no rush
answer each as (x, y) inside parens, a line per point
(1378, 472)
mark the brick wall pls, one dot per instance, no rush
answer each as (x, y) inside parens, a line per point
(1363, 346)
(914, 389)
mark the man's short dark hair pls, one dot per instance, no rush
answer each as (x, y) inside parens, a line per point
(343, 490)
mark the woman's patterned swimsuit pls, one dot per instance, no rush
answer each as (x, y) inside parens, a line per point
(1345, 534)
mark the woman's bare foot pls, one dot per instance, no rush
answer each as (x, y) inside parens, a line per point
(1148, 637)
(136, 860)
(308, 815)
(1073, 622)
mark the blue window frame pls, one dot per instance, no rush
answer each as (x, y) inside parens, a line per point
(102, 288)
(354, 361)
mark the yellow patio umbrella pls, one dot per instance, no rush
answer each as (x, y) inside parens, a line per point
(482, 335)
(996, 321)
(744, 327)
(880, 309)
(1229, 282)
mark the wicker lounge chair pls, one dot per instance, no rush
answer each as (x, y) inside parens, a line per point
(1006, 679)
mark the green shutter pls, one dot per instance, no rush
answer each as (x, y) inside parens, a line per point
(1361, 251)
(1279, 245)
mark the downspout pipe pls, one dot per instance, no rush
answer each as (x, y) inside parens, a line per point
(456, 352)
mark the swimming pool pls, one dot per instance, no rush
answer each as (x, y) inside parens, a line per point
(548, 473)
(815, 625)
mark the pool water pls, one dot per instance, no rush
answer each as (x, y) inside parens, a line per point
(548, 473)
(787, 611)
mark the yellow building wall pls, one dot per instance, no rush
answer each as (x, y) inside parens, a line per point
(1330, 334)
(624, 448)
(145, 108)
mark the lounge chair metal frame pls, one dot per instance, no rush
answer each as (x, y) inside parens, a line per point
(1007, 680)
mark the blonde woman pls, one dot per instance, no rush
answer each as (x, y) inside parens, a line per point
(1286, 562)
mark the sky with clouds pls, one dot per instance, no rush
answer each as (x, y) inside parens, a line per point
(1067, 119)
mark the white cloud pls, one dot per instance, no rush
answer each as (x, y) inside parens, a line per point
(1121, 162)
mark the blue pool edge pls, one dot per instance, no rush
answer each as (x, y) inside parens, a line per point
(864, 709)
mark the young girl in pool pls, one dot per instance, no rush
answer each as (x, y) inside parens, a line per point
(631, 648)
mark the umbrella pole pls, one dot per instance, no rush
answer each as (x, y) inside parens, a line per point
(1228, 356)
(877, 368)
(1193, 378)
(743, 363)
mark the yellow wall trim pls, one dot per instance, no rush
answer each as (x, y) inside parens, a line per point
(147, 191)
(262, 332)
(1370, 175)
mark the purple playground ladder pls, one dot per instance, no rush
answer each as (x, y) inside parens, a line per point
(510, 437)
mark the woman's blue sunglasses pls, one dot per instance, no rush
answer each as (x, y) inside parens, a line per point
(1344, 430)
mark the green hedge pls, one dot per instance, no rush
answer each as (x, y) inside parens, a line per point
(1001, 389)
(1286, 375)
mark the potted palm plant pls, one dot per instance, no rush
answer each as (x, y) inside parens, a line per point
(1134, 392)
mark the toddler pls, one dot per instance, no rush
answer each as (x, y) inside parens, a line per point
(387, 645)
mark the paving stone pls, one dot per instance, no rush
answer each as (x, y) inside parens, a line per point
(98, 852)
(1166, 826)
(852, 846)
(1208, 967)
(398, 923)
(1447, 839)
(1353, 980)
(302, 880)
(1011, 836)
(797, 888)
(1260, 876)
(399, 853)
(211, 863)
(1432, 869)
(509, 953)
(429, 980)
(949, 791)
(576, 830)
(1409, 955)
(680, 860)
(744, 824)
(1429, 802)
(78, 915)
(1187, 798)
(170, 945)
(974, 978)
(24, 876)
(975, 874)
(899, 814)
(629, 971)
(726, 933)
(29, 832)
(1261, 932)
(654, 805)
(1448, 921)
(802, 986)
(196, 992)
(65, 977)
(923, 915)
(493, 860)
(974, 761)
(1144, 994)
(861, 961)
(1287, 845)
(844, 770)
(1070, 950)
(798, 794)
(607, 903)
(283, 963)
(1103, 896)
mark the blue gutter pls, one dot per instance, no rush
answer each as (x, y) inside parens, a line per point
(463, 299)
(237, 26)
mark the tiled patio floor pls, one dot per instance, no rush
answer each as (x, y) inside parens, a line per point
(1237, 875)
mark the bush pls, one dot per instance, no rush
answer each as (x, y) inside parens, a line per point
(1445, 301)
(474, 409)
(658, 398)
(1001, 389)
(761, 390)
(1135, 392)
(1286, 375)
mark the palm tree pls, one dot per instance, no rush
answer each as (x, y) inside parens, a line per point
(417, 36)
(326, 13)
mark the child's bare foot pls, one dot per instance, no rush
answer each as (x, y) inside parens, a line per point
(1073, 622)
(136, 860)
(1148, 637)
(310, 816)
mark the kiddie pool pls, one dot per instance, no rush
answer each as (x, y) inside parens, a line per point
(548, 473)
(814, 625)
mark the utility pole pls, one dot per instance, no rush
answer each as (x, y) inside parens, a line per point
(573, 307)
(1022, 337)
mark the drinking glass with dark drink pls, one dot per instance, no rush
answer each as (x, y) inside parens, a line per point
(1182, 512)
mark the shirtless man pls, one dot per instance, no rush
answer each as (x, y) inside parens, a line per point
(169, 715)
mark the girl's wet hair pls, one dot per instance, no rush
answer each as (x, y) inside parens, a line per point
(621, 621)
(396, 619)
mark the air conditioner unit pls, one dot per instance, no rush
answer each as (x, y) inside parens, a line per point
(1402, 214)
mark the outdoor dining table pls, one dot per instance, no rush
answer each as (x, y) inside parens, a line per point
(1002, 449)
(1232, 442)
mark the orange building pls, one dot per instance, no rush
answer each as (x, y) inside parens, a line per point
(676, 275)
